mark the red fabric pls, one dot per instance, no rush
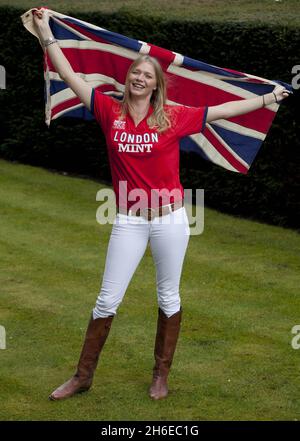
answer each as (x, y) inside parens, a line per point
(146, 159)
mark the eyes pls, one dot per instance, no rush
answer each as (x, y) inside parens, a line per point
(138, 72)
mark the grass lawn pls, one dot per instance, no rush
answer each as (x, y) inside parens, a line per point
(283, 12)
(240, 295)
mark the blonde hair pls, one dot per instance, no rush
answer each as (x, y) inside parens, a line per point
(159, 118)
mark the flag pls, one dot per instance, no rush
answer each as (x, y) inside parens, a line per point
(102, 58)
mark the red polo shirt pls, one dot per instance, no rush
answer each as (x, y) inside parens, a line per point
(146, 161)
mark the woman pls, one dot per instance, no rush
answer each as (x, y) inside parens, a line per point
(142, 135)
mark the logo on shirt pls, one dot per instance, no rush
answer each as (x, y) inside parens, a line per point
(119, 124)
(135, 143)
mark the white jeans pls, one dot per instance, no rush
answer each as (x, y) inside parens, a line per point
(168, 236)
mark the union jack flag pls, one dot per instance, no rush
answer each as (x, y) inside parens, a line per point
(102, 58)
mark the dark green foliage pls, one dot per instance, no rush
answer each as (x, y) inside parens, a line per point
(270, 192)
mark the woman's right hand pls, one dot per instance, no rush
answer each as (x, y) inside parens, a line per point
(41, 22)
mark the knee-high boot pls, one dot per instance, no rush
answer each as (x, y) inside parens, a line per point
(165, 345)
(96, 335)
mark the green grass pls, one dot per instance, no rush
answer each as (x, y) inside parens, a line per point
(240, 294)
(283, 12)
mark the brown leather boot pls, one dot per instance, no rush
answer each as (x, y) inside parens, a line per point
(96, 335)
(165, 345)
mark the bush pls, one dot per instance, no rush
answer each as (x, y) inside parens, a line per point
(270, 192)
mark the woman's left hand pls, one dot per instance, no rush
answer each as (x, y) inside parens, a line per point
(281, 93)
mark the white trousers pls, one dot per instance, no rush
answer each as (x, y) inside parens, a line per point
(168, 236)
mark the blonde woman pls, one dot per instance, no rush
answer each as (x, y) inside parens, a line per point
(142, 135)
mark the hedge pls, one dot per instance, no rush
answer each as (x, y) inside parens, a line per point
(269, 192)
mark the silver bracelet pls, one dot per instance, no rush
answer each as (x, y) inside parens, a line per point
(276, 100)
(49, 41)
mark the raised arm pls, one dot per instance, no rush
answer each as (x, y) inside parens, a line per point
(61, 64)
(235, 108)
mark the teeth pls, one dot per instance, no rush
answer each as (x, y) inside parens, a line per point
(139, 86)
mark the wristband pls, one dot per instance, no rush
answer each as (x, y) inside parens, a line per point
(49, 41)
(275, 97)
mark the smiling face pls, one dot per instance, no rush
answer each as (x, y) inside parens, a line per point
(142, 80)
